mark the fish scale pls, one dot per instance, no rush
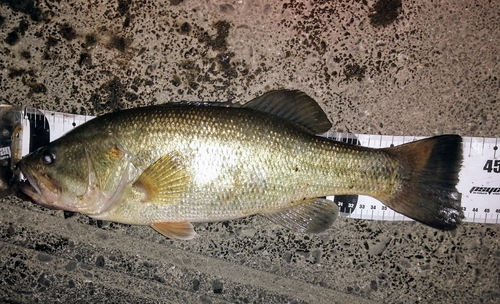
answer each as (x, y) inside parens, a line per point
(478, 151)
(228, 161)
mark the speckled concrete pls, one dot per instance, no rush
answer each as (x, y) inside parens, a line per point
(383, 67)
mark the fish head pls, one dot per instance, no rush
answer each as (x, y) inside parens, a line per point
(57, 176)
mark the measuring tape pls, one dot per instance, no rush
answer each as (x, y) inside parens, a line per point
(479, 185)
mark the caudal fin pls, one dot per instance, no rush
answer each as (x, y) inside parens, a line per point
(429, 175)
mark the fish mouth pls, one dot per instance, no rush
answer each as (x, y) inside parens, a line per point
(41, 188)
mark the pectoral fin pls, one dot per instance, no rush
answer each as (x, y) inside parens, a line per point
(175, 230)
(314, 216)
(164, 181)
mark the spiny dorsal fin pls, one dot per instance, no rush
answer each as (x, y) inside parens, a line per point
(314, 216)
(175, 230)
(295, 106)
(164, 181)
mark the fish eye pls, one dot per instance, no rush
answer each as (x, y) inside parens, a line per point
(48, 158)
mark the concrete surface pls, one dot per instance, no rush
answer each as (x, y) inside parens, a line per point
(388, 67)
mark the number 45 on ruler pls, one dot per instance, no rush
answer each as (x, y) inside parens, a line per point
(492, 165)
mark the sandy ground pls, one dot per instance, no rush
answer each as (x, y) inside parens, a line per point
(386, 67)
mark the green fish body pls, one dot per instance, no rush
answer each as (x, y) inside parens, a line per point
(170, 165)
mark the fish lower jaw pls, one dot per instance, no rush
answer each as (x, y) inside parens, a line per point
(41, 188)
(35, 195)
(40, 199)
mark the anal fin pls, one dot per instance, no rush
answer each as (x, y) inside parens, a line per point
(314, 216)
(175, 230)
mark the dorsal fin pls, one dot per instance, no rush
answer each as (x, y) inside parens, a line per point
(295, 106)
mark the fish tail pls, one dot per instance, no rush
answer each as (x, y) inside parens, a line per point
(428, 176)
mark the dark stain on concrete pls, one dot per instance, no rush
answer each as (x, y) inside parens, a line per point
(385, 12)
(124, 7)
(354, 71)
(90, 40)
(15, 35)
(120, 43)
(111, 96)
(25, 54)
(185, 28)
(176, 2)
(218, 42)
(85, 59)
(67, 32)
(27, 7)
(12, 38)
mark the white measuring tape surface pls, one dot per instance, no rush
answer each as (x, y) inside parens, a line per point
(479, 183)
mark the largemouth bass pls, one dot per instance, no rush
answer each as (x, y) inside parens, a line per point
(170, 165)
